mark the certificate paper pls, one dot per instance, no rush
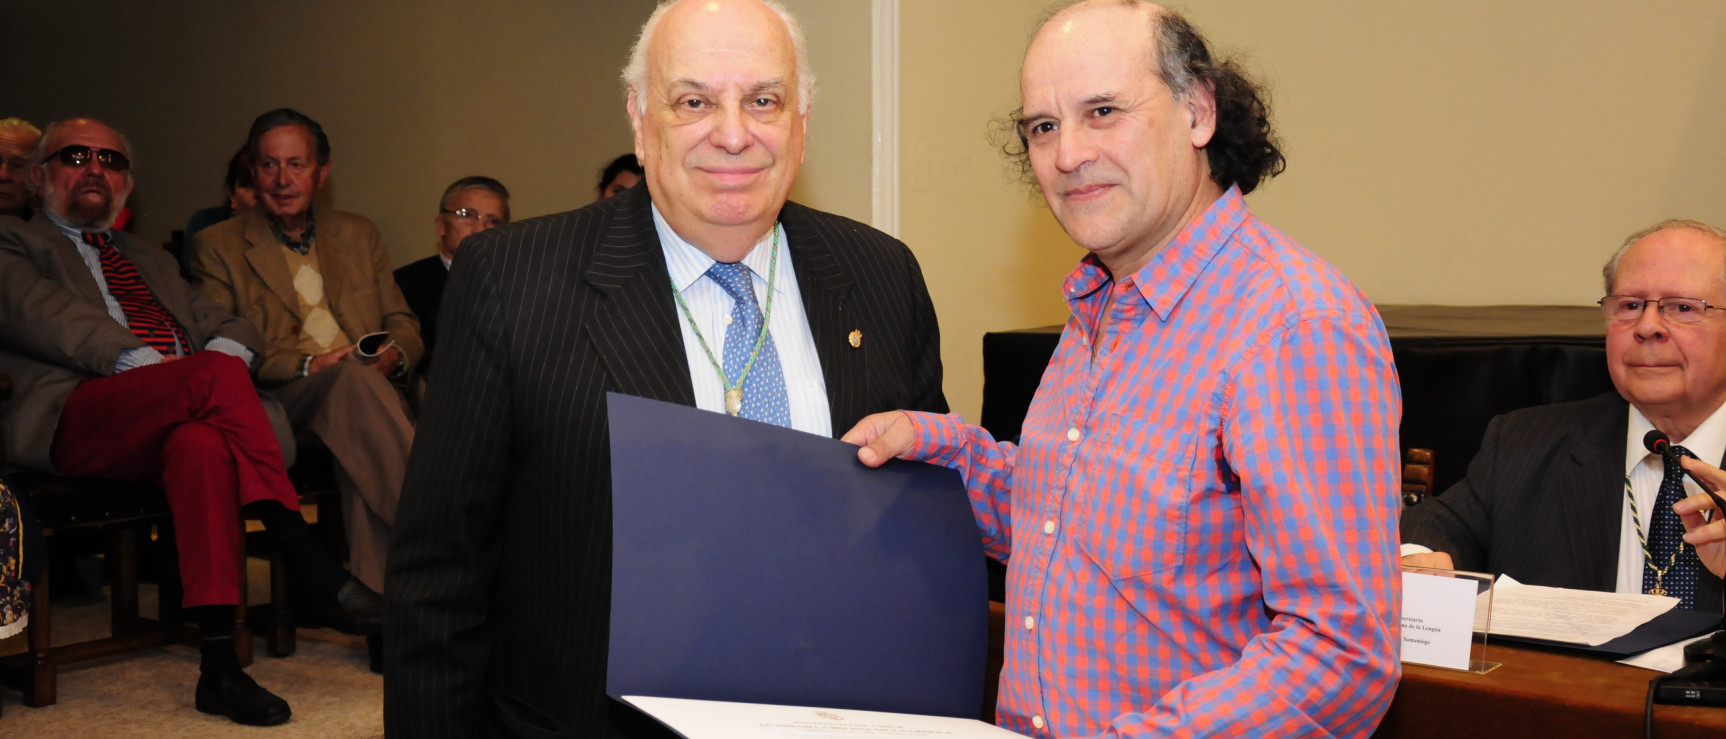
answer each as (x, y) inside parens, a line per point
(718, 720)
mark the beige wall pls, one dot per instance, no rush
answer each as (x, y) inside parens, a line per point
(836, 167)
(412, 95)
(1475, 152)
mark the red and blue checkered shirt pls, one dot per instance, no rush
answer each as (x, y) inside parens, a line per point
(1201, 521)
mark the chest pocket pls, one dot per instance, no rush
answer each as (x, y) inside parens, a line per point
(1134, 514)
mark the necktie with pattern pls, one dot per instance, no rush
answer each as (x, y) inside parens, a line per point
(1666, 546)
(145, 316)
(764, 397)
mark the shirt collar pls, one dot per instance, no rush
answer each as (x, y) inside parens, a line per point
(687, 264)
(72, 232)
(1707, 442)
(446, 261)
(1171, 271)
(308, 235)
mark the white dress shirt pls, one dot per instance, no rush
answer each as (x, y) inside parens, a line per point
(1646, 469)
(710, 308)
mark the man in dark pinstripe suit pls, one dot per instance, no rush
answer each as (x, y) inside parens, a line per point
(1563, 494)
(500, 571)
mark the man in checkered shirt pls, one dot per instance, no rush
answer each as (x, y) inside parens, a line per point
(1201, 515)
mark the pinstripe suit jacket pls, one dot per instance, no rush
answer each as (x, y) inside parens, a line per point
(1543, 501)
(499, 576)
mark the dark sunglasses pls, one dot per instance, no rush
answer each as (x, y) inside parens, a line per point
(78, 156)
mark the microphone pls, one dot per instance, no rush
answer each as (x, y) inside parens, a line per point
(1706, 659)
(1658, 442)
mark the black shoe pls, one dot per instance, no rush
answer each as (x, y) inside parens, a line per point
(375, 651)
(355, 609)
(237, 696)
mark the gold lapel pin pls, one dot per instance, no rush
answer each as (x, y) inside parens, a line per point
(856, 338)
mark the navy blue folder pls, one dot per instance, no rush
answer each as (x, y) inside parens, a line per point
(1670, 627)
(758, 564)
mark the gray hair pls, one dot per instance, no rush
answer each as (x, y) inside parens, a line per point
(1610, 271)
(635, 73)
(20, 125)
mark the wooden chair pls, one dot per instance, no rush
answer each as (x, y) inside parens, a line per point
(1416, 475)
(314, 478)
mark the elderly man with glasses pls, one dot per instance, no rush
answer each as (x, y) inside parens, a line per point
(317, 283)
(469, 205)
(125, 373)
(1569, 495)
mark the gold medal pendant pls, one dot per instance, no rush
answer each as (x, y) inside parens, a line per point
(734, 401)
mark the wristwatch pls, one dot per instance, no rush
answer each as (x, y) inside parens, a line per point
(305, 367)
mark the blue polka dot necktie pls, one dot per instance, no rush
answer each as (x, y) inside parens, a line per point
(1666, 539)
(764, 397)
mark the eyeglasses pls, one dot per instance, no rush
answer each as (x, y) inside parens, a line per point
(470, 214)
(78, 156)
(1626, 308)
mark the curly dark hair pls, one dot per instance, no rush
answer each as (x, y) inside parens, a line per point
(1244, 150)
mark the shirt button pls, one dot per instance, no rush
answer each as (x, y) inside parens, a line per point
(1049, 526)
(1073, 434)
(1037, 721)
(728, 320)
(1030, 623)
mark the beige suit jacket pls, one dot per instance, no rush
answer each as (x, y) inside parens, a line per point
(237, 264)
(55, 329)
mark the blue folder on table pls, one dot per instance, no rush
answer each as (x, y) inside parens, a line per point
(758, 564)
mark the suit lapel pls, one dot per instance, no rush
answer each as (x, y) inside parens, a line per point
(1591, 520)
(71, 262)
(263, 252)
(825, 286)
(634, 326)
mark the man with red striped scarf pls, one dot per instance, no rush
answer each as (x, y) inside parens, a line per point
(121, 371)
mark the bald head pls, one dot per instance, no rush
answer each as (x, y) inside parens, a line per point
(635, 73)
(719, 109)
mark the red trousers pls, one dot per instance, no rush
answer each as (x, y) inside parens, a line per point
(194, 427)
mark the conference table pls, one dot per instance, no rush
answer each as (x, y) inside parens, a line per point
(1538, 692)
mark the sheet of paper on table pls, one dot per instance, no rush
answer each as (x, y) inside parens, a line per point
(720, 720)
(1564, 615)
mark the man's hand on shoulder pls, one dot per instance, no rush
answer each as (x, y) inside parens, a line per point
(1434, 560)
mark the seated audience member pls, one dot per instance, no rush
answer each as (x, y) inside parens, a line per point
(316, 281)
(621, 174)
(241, 196)
(17, 140)
(469, 205)
(1567, 495)
(121, 371)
